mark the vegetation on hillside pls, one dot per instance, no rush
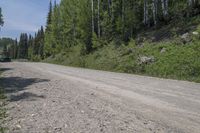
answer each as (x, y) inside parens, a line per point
(172, 59)
(151, 37)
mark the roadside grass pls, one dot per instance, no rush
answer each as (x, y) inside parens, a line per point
(2, 108)
(179, 61)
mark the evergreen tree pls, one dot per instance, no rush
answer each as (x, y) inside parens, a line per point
(48, 47)
(31, 45)
(41, 42)
(15, 49)
(92, 23)
(23, 46)
(1, 18)
(49, 17)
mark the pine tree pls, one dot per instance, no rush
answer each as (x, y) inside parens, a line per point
(93, 23)
(31, 45)
(57, 29)
(1, 18)
(48, 46)
(41, 43)
(15, 49)
(49, 18)
(23, 46)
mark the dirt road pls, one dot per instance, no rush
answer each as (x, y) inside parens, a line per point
(45, 98)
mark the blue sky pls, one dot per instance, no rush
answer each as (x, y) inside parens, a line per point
(23, 16)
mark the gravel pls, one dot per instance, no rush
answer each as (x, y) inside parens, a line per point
(45, 98)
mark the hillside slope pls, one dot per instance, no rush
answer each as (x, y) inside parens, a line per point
(171, 51)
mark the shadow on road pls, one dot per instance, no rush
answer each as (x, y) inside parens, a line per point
(15, 84)
(5, 69)
(14, 87)
(25, 96)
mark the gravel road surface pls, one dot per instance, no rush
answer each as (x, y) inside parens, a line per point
(46, 98)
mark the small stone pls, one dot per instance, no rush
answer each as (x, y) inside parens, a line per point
(122, 129)
(66, 126)
(145, 123)
(58, 129)
(195, 33)
(163, 50)
(82, 111)
(150, 129)
(18, 127)
(126, 122)
(186, 38)
(146, 60)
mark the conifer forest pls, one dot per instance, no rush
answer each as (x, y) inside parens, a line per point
(133, 36)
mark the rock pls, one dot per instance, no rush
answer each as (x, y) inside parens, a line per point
(146, 60)
(163, 50)
(122, 129)
(82, 111)
(186, 38)
(18, 127)
(66, 126)
(145, 123)
(195, 33)
(32, 115)
(57, 129)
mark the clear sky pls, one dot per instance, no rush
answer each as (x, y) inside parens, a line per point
(23, 16)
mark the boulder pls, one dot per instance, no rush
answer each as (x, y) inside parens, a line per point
(185, 35)
(186, 38)
(163, 50)
(146, 60)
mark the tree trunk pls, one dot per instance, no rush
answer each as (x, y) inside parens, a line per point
(99, 27)
(92, 7)
(190, 3)
(109, 7)
(123, 9)
(155, 12)
(165, 8)
(123, 18)
(146, 13)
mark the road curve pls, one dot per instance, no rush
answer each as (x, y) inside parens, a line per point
(51, 98)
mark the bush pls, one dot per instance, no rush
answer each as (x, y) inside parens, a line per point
(178, 61)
